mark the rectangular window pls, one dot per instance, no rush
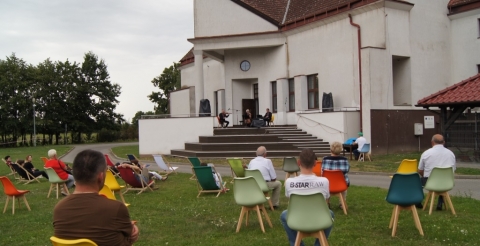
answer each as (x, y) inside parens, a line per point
(291, 95)
(312, 81)
(478, 68)
(478, 22)
(274, 96)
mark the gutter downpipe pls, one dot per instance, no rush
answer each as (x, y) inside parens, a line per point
(359, 66)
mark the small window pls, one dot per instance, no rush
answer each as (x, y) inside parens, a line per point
(478, 23)
(291, 95)
(274, 97)
(312, 81)
(478, 68)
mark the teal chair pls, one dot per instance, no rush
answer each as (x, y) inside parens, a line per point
(206, 182)
(290, 166)
(236, 165)
(257, 175)
(248, 194)
(195, 163)
(55, 181)
(441, 181)
(309, 216)
(405, 191)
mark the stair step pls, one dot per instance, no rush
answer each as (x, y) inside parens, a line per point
(227, 154)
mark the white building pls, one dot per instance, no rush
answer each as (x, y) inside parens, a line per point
(376, 57)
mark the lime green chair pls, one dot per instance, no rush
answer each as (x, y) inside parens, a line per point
(257, 175)
(248, 194)
(309, 216)
(290, 166)
(441, 181)
(55, 181)
(236, 165)
(195, 163)
(75, 242)
(206, 182)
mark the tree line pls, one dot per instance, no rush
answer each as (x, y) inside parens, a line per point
(60, 96)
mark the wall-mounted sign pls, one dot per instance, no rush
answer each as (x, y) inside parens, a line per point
(429, 122)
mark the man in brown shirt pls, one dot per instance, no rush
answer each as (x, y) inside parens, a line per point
(86, 214)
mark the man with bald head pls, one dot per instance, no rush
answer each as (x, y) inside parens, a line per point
(437, 156)
(265, 166)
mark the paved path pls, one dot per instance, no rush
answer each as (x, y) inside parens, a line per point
(469, 187)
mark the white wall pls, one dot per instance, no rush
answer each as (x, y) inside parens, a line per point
(222, 17)
(180, 103)
(159, 136)
(331, 126)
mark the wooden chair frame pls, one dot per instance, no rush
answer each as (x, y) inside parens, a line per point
(394, 218)
(447, 201)
(30, 177)
(244, 213)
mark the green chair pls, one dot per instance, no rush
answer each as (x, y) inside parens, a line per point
(236, 165)
(195, 163)
(257, 175)
(309, 216)
(405, 191)
(441, 181)
(205, 180)
(55, 181)
(248, 194)
(290, 166)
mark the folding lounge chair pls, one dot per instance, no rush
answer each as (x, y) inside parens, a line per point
(110, 165)
(164, 165)
(25, 176)
(131, 157)
(195, 163)
(206, 182)
(12, 170)
(127, 174)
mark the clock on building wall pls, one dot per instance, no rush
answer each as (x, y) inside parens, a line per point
(245, 65)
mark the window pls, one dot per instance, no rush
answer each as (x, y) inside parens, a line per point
(401, 79)
(255, 97)
(291, 95)
(274, 96)
(312, 81)
(478, 21)
(478, 68)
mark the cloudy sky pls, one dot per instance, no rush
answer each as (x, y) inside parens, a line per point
(136, 38)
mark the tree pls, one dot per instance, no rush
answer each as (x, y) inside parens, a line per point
(167, 82)
(138, 115)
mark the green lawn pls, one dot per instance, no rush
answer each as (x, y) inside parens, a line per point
(36, 152)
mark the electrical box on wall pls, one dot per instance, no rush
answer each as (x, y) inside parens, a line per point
(418, 129)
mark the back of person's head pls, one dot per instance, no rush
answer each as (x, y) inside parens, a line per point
(87, 165)
(20, 162)
(307, 158)
(52, 153)
(336, 148)
(438, 139)
(261, 151)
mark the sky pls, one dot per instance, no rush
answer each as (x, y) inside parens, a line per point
(137, 39)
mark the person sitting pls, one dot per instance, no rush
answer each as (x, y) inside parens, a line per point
(86, 214)
(222, 116)
(337, 162)
(267, 117)
(27, 164)
(359, 143)
(216, 176)
(247, 118)
(60, 168)
(8, 161)
(265, 166)
(150, 173)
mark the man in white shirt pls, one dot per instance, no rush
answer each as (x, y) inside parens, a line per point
(436, 156)
(306, 183)
(265, 166)
(360, 142)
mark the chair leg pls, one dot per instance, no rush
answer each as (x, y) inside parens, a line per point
(6, 204)
(13, 205)
(323, 239)
(260, 218)
(450, 204)
(416, 219)
(391, 219)
(343, 202)
(239, 224)
(66, 188)
(26, 203)
(57, 187)
(269, 201)
(426, 200)
(432, 198)
(266, 216)
(121, 196)
(395, 220)
(300, 236)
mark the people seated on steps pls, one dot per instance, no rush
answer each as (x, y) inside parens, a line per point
(216, 176)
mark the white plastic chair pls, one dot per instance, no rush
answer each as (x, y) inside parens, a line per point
(365, 150)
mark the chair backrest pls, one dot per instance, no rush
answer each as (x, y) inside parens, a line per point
(20, 170)
(194, 161)
(107, 192)
(126, 173)
(109, 161)
(161, 163)
(440, 179)
(365, 148)
(273, 118)
(257, 175)
(405, 189)
(408, 166)
(131, 157)
(290, 165)
(317, 169)
(111, 181)
(247, 192)
(308, 213)
(237, 166)
(336, 180)
(74, 242)
(53, 176)
(205, 177)
(8, 186)
(44, 159)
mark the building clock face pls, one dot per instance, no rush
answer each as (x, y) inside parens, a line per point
(245, 65)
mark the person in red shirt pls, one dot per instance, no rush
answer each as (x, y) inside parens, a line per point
(60, 168)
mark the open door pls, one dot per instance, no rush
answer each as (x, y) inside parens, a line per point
(249, 104)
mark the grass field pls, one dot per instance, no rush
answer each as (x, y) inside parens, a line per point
(36, 152)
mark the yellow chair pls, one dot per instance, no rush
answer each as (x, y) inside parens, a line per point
(76, 242)
(272, 123)
(109, 194)
(113, 185)
(407, 166)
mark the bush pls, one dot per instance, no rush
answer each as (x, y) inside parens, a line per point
(105, 135)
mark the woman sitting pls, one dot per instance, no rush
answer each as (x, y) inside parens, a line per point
(337, 162)
(27, 164)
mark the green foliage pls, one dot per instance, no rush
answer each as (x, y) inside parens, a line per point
(138, 115)
(167, 82)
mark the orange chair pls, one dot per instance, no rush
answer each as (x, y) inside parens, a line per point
(44, 159)
(317, 169)
(13, 193)
(337, 185)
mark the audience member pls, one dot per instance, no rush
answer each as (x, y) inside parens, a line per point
(86, 214)
(27, 164)
(296, 185)
(8, 160)
(359, 142)
(337, 162)
(268, 172)
(217, 177)
(150, 173)
(142, 175)
(60, 168)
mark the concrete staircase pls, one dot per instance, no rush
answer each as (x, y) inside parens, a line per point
(243, 142)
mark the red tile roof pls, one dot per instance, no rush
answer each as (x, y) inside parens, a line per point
(465, 92)
(459, 6)
(455, 3)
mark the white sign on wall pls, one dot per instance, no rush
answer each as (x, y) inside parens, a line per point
(429, 122)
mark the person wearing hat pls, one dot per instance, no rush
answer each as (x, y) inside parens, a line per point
(360, 142)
